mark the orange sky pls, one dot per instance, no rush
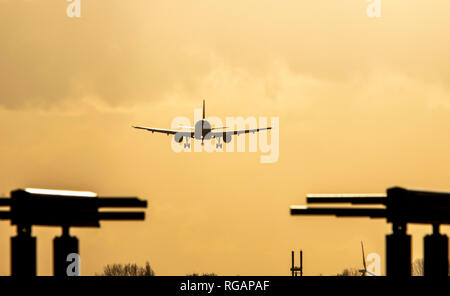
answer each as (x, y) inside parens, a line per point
(363, 105)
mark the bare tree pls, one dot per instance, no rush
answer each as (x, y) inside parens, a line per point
(128, 270)
(417, 267)
(350, 272)
(204, 274)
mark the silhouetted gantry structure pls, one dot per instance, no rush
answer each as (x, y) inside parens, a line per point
(398, 206)
(60, 208)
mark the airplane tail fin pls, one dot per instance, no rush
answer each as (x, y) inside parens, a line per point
(204, 109)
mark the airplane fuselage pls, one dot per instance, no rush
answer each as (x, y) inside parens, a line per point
(202, 129)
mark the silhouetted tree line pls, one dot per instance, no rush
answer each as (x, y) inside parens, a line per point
(127, 270)
(132, 269)
(349, 272)
(417, 268)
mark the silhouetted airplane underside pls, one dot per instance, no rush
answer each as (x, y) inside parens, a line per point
(202, 130)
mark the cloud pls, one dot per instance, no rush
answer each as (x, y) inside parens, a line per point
(48, 58)
(129, 53)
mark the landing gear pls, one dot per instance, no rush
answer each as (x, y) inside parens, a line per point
(218, 144)
(187, 144)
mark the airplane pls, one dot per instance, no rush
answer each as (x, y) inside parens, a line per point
(202, 130)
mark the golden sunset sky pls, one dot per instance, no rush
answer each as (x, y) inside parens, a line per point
(363, 105)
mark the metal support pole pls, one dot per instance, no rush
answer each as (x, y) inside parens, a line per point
(62, 247)
(435, 254)
(23, 253)
(292, 266)
(301, 263)
(398, 252)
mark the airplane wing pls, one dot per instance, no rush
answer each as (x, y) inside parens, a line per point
(238, 132)
(165, 131)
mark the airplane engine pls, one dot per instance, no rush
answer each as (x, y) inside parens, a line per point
(208, 136)
(227, 137)
(178, 138)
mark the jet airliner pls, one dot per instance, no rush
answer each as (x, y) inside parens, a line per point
(202, 130)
